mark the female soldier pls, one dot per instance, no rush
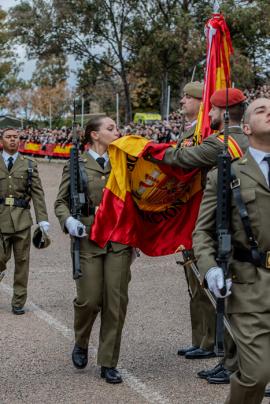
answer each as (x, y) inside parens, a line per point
(105, 271)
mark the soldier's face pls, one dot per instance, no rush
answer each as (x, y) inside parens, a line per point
(190, 106)
(10, 141)
(257, 123)
(216, 118)
(108, 132)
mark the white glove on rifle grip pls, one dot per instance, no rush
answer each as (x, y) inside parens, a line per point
(215, 281)
(75, 227)
(44, 226)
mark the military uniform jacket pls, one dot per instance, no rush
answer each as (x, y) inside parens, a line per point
(14, 184)
(96, 180)
(251, 284)
(203, 155)
(186, 139)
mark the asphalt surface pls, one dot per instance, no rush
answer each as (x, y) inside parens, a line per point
(35, 348)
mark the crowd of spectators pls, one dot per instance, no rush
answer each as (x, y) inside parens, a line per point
(160, 131)
(260, 91)
(46, 136)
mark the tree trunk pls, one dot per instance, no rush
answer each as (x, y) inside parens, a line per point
(164, 94)
(128, 107)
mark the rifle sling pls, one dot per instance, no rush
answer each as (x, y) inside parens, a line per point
(254, 252)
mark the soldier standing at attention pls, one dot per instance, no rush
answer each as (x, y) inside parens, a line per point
(19, 183)
(103, 286)
(248, 304)
(202, 335)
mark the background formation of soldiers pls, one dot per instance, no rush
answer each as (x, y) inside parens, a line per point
(245, 364)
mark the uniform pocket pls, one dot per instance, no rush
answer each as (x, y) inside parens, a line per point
(243, 272)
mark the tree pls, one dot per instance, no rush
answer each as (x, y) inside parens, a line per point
(8, 67)
(168, 45)
(20, 101)
(50, 71)
(51, 101)
(81, 28)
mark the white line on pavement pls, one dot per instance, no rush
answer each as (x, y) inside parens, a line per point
(133, 382)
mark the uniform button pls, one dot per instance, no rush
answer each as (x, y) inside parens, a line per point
(103, 177)
(9, 176)
(10, 186)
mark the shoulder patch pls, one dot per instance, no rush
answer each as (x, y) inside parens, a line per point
(29, 158)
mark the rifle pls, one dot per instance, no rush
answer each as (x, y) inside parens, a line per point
(77, 197)
(222, 226)
(188, 262)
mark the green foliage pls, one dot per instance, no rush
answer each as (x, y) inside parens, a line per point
(8, 66)
(50, 71)
(137, 48)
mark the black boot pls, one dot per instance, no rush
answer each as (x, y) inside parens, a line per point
(111, 375)
(267, 392)
(200, 354)
(221, 377)
(204, 374)
(79, 357)
(17, 310)
(183, 351)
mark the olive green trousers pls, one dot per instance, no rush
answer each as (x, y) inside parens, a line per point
(252, 334)
(202, 314)
(102, 288)
(19, 243)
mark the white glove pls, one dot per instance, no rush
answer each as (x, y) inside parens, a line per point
(44, 226)
(75, 227)
(215, 281)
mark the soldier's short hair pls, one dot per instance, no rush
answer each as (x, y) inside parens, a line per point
(237, 111)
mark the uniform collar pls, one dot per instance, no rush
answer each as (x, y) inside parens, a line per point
(6, 156)
(96, 155)
(258, 155)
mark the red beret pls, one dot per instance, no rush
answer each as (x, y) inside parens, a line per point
(219, 97)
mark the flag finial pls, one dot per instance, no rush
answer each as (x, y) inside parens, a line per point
(216, 6)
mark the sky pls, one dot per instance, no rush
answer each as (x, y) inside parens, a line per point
(29, 65)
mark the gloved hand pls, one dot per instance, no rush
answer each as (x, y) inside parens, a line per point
(215, 281)
(75, 227)
(44, 226)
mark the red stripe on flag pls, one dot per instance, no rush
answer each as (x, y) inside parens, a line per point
(154, 233)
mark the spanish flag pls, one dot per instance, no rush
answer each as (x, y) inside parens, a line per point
(155, 207)
(217, 71)
(152, 207)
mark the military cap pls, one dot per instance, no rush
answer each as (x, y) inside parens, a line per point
(40, 238)
(219, 97)
(194, 89)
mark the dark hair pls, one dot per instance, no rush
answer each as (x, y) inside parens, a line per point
(93, 125)
(237, 111)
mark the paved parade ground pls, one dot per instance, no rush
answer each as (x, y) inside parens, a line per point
(35, 348)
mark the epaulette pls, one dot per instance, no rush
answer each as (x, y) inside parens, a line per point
(22, 157)
(243, 161)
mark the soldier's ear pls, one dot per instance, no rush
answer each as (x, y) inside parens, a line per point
(95, 135)
(246, 129)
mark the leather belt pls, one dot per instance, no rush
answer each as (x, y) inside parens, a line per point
(246, 256)
(17, 202)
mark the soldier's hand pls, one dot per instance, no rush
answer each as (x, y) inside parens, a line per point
(75, 227)
(215, 281)
(44, 226)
